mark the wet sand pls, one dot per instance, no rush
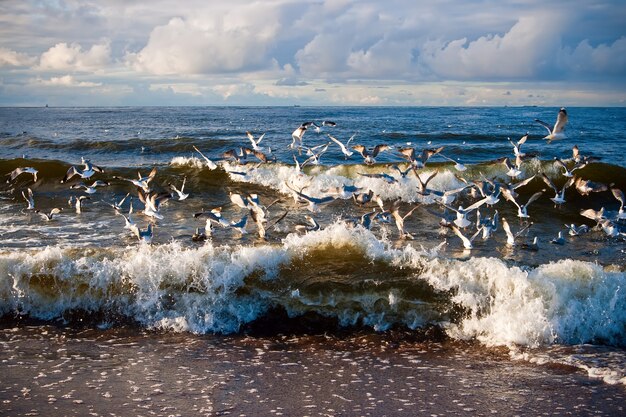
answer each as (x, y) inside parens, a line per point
(59, 371)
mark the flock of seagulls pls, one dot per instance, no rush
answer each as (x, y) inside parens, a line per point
(478, 193)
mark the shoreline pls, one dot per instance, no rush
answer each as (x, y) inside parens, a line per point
(58, 371)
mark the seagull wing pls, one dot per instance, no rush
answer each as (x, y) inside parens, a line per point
(549, 183)
(533, 197)
(544, 124)
(561, 121)
(378, 149)
(209, 163)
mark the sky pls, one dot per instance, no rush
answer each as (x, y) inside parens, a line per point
(319, 52)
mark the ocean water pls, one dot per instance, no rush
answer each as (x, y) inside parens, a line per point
(553, 304)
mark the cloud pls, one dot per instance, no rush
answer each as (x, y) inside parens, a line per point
(64, 57)
(66, 81)
(291, 81)
(526, 51)
(605, 60)
(218, 41)
(9, 58)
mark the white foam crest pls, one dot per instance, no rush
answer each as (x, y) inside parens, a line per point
(567, 302)
(338, 235)
(320, 179)
(163, 286)
(191, 161)
(599, 362)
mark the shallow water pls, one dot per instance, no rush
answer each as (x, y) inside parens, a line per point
(61, 371)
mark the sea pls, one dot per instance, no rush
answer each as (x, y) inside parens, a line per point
(324, 313)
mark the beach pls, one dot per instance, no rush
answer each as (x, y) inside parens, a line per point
(60, 371)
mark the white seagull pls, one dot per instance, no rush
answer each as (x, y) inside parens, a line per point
(255, 143)
(87, 172)
(555, 132)
(17, 171)
(522, 210)
(210, 164)
(29, 199)
(347, 153)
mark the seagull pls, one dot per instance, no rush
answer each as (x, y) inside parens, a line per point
(461, 213)
(363, 198)
(559, 195)
(18, 171)
(297, 135)
(399, 219)
(214, 216)
(586, 187)
(419, 161)
(347, 153)
(210, 164)
(488, 225)
(78, 203)
(610, 228)
(533, 246)
(255, 143)
(90, 189)
(457, 165)
(422, 186)
(180, 193)
(559, 240)
(517, 146)
(522, 210)
(329, 123)
(490, 189)
(579, 159)
(85, 173)
(143, 235)
(49, 217)
(595, 215)
(29, 199)
(199, 235)
(262, 156)
(238, 157)
(381, 176)
(238, 200)
(448, 197)
(403, 173)
(141, 182)
(369, 157)
(555, 132)
(510, 237)
(117, 206)
(314, 159)
(152, 202)
(577, 231)
(619, 196)
(569, 172)
(513, 171)
(313, 202)
(467, 242)
(129, 223)
(514, 186)
(240, 225)
(311, 226)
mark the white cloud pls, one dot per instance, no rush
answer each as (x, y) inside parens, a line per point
(191, 89)
(214, 41)
(525, 51)
(71, 57)
(66, 81)
(601, 60)
(9, 58)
